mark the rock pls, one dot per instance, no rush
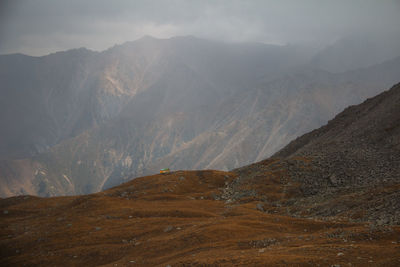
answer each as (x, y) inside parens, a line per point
(215, 196)
(260, 207)
(169, 228)
(5, 212)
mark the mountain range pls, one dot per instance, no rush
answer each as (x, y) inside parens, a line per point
(80, 121)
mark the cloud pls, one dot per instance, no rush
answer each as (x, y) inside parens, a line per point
(43, 26)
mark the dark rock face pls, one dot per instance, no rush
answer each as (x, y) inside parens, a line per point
(349, 167)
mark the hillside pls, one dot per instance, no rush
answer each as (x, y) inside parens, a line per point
(330, 198)
(349, 167)
(180, 220)
(185, 103)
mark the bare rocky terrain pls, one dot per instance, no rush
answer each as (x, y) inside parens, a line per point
(349, 167)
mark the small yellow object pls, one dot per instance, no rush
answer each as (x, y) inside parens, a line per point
(164, 171)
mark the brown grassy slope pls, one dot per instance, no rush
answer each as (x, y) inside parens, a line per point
(183, 219)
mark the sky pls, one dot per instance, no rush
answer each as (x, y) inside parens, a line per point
(39, 27)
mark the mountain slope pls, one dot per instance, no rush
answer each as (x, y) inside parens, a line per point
(56, 97)
(42, 100)
(221, 133)
(356, 51)
(348, 168)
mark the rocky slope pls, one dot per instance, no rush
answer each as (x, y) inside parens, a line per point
(349, 167)
(184, 103)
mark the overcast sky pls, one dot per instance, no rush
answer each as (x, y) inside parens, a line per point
(38, 27)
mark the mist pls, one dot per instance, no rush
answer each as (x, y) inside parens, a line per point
(44, 26)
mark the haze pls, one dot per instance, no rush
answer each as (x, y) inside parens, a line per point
(45, 26)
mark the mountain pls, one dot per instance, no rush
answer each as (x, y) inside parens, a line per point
(347, 168)
(42, 100)
(183, 103)
(45, 100)
(343, 177)
(356, 51)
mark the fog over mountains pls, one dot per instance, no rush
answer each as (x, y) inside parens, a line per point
(79, 121)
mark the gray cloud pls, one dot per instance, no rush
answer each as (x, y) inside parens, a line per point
(43, 26)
